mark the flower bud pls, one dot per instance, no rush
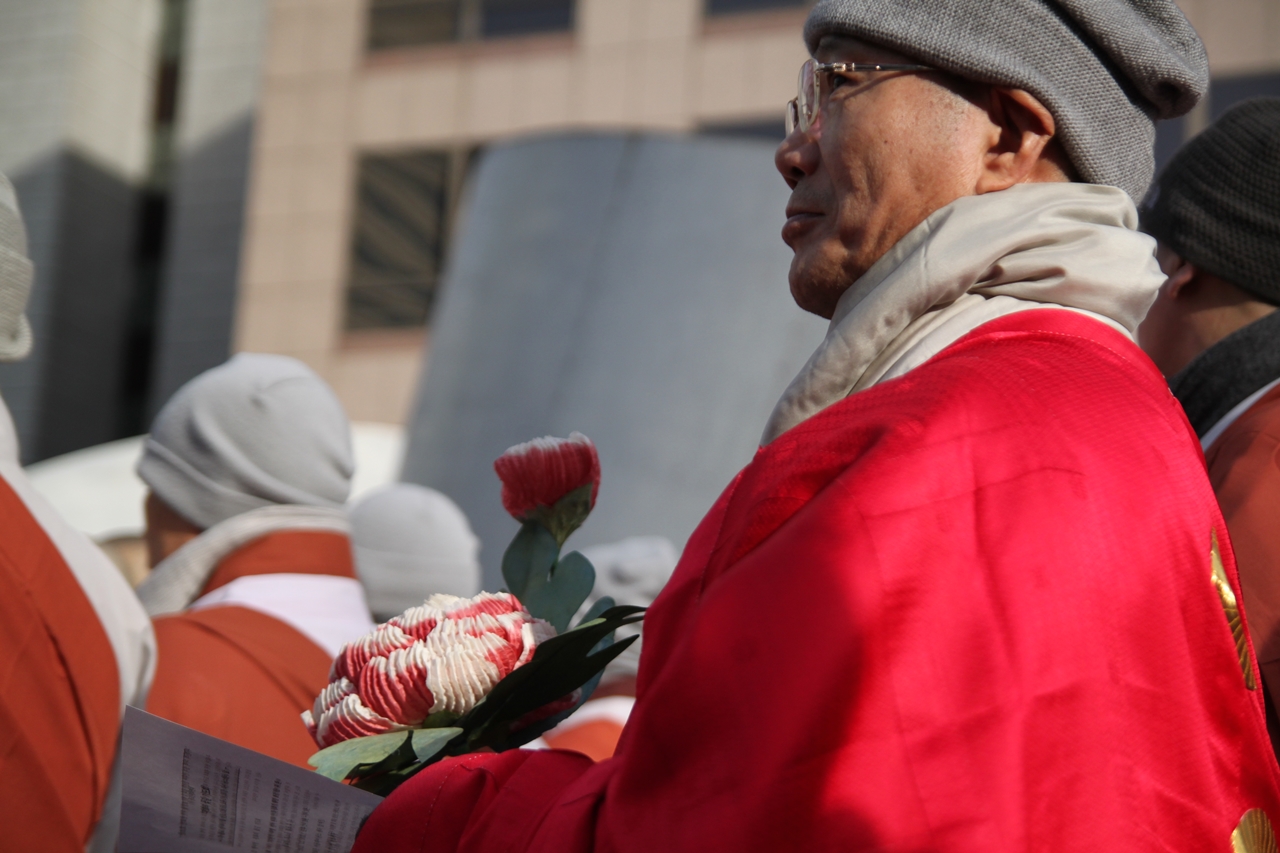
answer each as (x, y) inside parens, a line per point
(552, 481)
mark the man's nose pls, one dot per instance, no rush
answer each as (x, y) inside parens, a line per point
(797, 156)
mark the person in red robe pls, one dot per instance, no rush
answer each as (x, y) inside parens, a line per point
(973, 593)
(77, 646)
(1214, 332)
(254, 589)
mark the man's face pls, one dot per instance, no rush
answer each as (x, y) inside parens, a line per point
(886, 150)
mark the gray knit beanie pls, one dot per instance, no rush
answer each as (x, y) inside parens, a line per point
(1105, 69)
(255, 431)
(16, 273)
(1217, 203)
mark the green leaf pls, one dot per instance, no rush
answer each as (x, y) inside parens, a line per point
(568, 514)
(556, 596)
(602, 604)
(559, 666)
(439, 720)
(530, 556)
(563, 681)
(591, 668)
(428, 742)
(338, 761)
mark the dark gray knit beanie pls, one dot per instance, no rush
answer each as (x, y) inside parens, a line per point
(1217, 203)
(1106, 69)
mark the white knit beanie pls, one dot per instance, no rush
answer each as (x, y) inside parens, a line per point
(256, 431)
(16, 272)
(411, 542)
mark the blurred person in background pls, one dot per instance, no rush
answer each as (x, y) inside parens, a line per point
(411, 542)
(254, 587)
(631, 571)
(1214, 331)
(974, 591)
(77, 646)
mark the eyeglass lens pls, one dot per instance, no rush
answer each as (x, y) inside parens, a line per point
(800, 112)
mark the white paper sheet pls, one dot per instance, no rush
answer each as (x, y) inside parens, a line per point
(187, 792)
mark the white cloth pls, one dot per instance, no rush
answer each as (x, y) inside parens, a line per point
(1215, 432)
(613, 709)
(256, 431)
(330, 611)
(126, 624)
(1051, 245)
(411, 542)
(177, 581)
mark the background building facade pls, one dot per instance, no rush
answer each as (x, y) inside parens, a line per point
(203, 176)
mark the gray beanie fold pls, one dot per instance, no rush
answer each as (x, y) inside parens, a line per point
(1105, 69)
(1217, 203)
(16, 274)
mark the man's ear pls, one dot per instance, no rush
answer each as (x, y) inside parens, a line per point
(1020, 131)
(1180, 277)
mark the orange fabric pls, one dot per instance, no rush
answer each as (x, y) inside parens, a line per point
(287, 552)
(596, 739)
(239, 675)
(1244, 468)
(59, 693)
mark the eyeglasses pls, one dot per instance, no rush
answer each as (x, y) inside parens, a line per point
(815, 86)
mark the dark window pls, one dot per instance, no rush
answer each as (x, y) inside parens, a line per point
(729, 7)
(404, 23)
(403, 210)
(517, 17)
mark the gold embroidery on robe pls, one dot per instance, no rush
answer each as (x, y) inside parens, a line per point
(1232, 609)
(1254, 834)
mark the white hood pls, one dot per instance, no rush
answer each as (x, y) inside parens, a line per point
(1054, 245)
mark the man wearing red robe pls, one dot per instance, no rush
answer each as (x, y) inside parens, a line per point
(75, 643)
(974, 592)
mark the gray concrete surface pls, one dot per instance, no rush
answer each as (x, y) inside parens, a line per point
(631, 287)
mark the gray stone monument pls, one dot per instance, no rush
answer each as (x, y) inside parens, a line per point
(631, 287)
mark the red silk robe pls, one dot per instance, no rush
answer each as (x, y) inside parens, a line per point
(242, 675)
(970, 609)
(59, 693)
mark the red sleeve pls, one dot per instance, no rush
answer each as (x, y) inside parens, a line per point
(476, 802)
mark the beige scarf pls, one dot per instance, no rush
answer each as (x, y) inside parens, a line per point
(1056, 245)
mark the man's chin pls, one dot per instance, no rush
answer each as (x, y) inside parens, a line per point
(811, 294)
